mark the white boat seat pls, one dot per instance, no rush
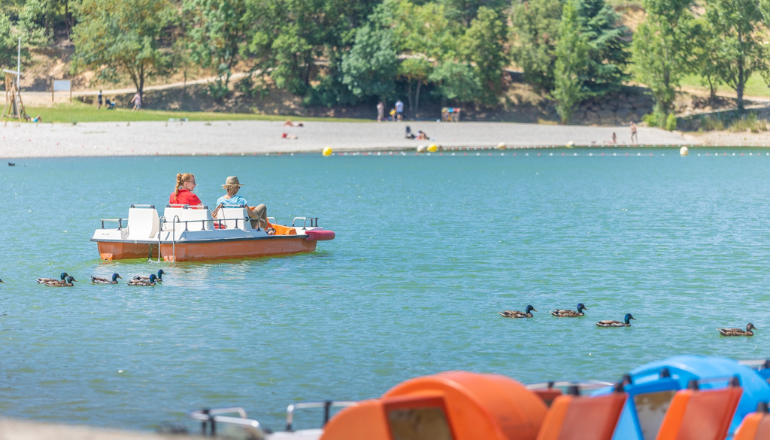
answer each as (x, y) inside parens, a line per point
(233, 218)
(192, 215)
(142, 223)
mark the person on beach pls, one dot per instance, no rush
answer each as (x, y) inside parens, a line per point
(258, 214)
(422, 135)
(99, 100)
(634, 139)
(137, 102)
(380, 111)
(399, 110)
(614, 138)
(182, 195)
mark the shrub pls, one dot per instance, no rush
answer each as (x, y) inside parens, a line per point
(671, 122)
(748, 122)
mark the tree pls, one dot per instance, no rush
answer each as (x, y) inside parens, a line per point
(534, 33)
(740, 51)
(484, 45)
(704, 39)
(217, 36)
(571, 62)
(660, 49)
(607, 49)
(416, 69)
(456, 81)
(369, 68)
(122, 37)
(465, 11)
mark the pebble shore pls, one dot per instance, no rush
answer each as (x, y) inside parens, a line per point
(260, 137)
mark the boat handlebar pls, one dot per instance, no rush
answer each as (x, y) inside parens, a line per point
(326, 405)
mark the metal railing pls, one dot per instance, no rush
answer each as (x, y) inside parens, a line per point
(327, 405)
(209, 417)
(119, 220)
(313, 222)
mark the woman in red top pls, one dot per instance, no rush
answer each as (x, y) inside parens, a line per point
(185, 184)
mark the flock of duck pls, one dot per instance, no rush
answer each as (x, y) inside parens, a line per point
(67, 281)
(564, 313)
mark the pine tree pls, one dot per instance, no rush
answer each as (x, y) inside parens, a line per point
(607, 50)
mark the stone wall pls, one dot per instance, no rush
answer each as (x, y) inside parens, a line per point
(615, 108)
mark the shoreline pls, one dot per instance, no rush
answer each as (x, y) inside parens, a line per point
(98, 139)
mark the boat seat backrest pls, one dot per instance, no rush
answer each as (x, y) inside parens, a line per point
(582, 418)
(547, 395)
(233, 218)
(190, 215)
(755, 426)
(142, 223)
(700, 415)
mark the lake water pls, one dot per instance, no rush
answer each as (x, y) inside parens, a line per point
(428, 251)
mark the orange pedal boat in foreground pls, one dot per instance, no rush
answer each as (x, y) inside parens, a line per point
(187, 233)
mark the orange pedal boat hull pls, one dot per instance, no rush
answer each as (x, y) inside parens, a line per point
(236, 249)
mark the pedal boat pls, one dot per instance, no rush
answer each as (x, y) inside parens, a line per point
(189, 233)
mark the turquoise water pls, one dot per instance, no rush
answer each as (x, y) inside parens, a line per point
(428, 251)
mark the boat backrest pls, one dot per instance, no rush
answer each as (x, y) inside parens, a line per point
(755, 426)
(700, 415)
(580, 418)
(233, 218)
(142, 222)
(192, 215)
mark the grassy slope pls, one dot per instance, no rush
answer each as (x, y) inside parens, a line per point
(70, 113)
(756, 86)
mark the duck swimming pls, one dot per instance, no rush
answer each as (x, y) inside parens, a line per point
(627, 318)
(518, 314)
(140, 282)
(61, 283)
(50, 280)
(114, 280)
(737, 331)
(561, 313)
(158, 278)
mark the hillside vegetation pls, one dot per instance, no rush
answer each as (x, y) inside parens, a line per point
(342, 54)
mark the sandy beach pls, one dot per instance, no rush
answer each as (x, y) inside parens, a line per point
(250, 137)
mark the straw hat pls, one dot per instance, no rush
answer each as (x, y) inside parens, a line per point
(232, 181)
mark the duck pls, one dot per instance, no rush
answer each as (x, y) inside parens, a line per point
(50, 280)
(737, 331)
(627, 318)
(150, 281)
(1, 281)
(61, 283)
(158, 278)
(518, 314)
(561, 313)
(114, 280)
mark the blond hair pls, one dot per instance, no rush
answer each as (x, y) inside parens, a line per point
(181, 178)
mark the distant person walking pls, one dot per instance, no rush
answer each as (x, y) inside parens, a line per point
(137, 102)
(380, 111)
(99, 100)
(634, 138)
(399, 110)
(614, 138)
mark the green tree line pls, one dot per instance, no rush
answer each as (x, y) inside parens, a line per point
(342, 52)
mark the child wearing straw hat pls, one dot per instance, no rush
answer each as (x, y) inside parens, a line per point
(232, 185)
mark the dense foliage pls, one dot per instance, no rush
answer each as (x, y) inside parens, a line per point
(342, 52)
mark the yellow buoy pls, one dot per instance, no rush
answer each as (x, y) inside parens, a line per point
(327, 151)
(684, 151)
(432, 148)
(501, 146)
